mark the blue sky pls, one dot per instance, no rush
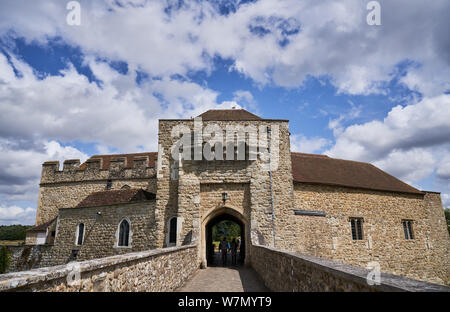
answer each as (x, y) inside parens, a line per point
(377, 94)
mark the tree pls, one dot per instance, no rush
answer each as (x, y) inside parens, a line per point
(5, 258)
(447, 217)
(226, 228)
(13, 232)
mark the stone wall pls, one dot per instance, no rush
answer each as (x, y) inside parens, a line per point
(426, 257)
(180, 196)
(153, 270)
(101, 231)
(31, 238)
(28, 257)
(294, 272)
(68, 187)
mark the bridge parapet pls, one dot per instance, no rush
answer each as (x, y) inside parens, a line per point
(153, 270)
(295, 272)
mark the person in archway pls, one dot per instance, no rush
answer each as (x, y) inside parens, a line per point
(211, 253)
(234, 247)
(223, 247)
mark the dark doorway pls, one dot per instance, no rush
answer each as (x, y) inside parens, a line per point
(212, 254)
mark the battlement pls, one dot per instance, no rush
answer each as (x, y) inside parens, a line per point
(101, 167)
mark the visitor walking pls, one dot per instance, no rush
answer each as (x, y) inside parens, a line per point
(223, 247)
(234, 247)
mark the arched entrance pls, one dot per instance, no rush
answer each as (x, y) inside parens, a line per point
(213, 218)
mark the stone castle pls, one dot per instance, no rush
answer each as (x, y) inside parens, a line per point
(347, 211)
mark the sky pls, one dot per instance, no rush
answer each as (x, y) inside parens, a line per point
(372, 93)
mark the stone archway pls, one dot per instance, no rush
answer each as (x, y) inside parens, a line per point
(214, 217)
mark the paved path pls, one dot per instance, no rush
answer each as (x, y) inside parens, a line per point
(225, 279)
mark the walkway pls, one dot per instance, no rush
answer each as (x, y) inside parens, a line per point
(224, 279)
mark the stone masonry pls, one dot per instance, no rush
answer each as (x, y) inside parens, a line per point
(424, 257)
(149, 271)
(100, 239)
(295, 272)
(312, 204)
(66, 188)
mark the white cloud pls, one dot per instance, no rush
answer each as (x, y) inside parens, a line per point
(296, 39)
(411, 165)
(445, 200)
(300, 143)
(410, 143)
(20, 174)
(17, 215)
(443, 171)
(245, 98)
(120, 115)
(424, 124)
(21, 169)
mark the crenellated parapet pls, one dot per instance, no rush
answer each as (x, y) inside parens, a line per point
(121, 167)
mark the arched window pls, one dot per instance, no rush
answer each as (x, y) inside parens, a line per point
(124, 233)
(173, 230)
(80, 234)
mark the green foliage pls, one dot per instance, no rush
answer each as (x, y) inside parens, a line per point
(13, 232)
(228, 229)
(5, 259)
(447, 217)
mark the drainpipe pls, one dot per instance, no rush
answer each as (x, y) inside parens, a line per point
(269, 131)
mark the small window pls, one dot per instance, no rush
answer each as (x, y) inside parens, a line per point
(357, 229)
(407, 228)
(53, 233)
(124, 233)
(108, 185)
(80, 234)
(173, 231)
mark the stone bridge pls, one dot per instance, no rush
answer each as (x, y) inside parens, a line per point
(178, 269)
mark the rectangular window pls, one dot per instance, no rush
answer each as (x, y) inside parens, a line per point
(357, 230)
(407, 228)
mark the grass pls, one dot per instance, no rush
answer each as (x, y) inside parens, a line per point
(11, 242)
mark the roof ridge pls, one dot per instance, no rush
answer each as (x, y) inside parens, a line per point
(350, 173)
(309, 154)
(124, 154)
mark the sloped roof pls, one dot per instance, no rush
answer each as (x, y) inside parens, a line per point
(106, 159)
(42, 227)
(317, 169)
(321, 169)
(111, 197)
(228, 115)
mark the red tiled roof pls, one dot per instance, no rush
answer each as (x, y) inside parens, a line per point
(317, 169)
(42, 227)
(111, 197)
(106, 159)
(321, 169)
(228, 114)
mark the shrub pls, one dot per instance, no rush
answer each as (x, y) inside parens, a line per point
(447, 217)
(5, 259)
